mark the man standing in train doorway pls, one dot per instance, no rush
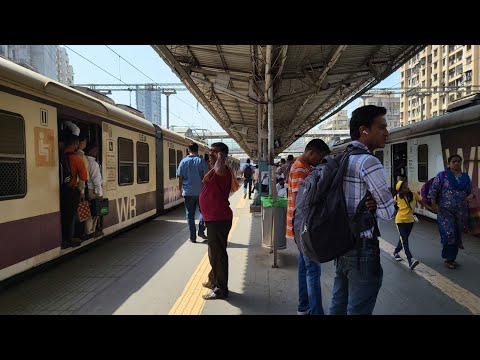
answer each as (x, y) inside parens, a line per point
(218, 184)
(190, 172)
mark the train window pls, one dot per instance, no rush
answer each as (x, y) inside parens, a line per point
(125, 161)
(422, 161)
(142, 163)
(179, 157)
(13, 177)
(172, 164)
(379, 155)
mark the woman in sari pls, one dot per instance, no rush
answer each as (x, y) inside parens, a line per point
(450, 194)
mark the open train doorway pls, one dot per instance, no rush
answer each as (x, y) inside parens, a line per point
(399, 163)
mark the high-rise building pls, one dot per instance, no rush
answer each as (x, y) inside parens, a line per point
(150, 102)
(48, 60)
(388, 101)
(338, 121)
(436, 77)
(64, 69)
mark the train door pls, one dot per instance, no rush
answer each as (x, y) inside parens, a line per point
(399, 163)
(92, 133)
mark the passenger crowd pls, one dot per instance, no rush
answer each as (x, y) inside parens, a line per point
(356, 283)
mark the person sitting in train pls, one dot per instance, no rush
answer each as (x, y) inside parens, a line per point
(94, 186)
(70, 194)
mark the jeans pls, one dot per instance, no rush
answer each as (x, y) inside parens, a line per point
(404, 229)
(191, 203)
(249, 183)
(309, 289)
(355, 289)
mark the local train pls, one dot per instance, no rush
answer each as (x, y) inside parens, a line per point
(138, 164)
(419, 151)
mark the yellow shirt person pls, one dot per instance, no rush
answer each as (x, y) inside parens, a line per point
(405, 208)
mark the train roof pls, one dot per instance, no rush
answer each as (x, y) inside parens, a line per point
(447, 121)
(25, 80)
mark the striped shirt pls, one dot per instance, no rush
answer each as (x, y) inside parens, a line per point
(365, 172)
(298, 172)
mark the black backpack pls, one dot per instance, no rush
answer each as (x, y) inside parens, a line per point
(325, 230)
(247, 173)
(65, 171)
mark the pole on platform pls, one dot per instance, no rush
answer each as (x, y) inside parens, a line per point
(271, 149)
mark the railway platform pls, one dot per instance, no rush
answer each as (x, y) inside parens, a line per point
(154, 269)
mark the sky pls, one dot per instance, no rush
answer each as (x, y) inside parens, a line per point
(184, 108)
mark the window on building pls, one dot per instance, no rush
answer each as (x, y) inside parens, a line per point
(401, 74)
(451, 98)
(423, 72)
(13, 177)
(422, 161)
(434, 113)
(172, 164)
(468, 75)
(125, 161)
(468, 59)
(469, 89)
(434, 102)
(142, 163)
(443, 61)
(429, 59)
(435, 77)
(435, 52)
(469, 47)
(435, 65)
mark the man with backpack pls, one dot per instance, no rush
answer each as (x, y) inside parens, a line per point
(309, 289)
(247, 171)
(359, 274)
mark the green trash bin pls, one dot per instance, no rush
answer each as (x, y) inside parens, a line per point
(279, 209)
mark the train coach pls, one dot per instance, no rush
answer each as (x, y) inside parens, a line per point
(419, 151)
(138, 163)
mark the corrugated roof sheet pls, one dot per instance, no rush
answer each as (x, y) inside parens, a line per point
(311, 82)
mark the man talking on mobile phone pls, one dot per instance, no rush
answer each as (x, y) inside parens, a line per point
(219, 182)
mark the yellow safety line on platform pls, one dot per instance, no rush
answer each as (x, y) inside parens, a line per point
(448, 287)
(241, 203)
(191, 301)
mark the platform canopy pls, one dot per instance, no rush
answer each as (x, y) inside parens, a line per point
(310, 83)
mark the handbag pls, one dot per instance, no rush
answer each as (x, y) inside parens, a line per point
(99, 207)
(83, 211)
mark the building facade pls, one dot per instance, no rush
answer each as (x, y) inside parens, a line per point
(388, 101)
(436, 77)
(48, 60)
(64, 69)
(150, 102)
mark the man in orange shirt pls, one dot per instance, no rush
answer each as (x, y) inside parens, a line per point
(70, 194)
(309, 290)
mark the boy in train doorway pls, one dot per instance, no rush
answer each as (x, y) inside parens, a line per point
(190, 173)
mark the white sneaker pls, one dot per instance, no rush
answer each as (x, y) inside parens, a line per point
(396, 256)
(306, 312)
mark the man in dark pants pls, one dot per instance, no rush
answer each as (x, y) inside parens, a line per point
(70, 194)
(218, 218)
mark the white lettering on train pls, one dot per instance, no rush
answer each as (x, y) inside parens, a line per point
(126, 208)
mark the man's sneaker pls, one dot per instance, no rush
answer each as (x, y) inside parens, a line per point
(202, 235)
(306, 312)
(413, 263)
(396, 256)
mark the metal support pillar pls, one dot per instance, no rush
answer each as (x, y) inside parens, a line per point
(271, 151)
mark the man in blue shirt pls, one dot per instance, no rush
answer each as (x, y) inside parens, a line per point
(190, 173)
(247, 171)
